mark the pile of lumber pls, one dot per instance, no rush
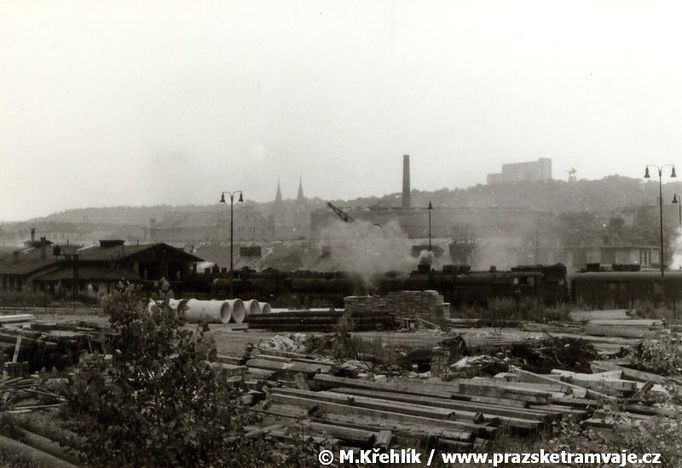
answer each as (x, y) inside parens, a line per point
(22, 395)
(47, 345)
(630, 328)
(263, 365)
(322, 321)
(462, 414)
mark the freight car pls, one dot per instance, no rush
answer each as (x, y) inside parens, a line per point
(625, 288)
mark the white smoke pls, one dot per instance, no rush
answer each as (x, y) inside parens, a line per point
(676, 246)
(369, 249)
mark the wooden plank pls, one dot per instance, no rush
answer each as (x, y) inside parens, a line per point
(16, 349)
(511, 417)
(540, 387)
(412, 430)
(493, 400)
(288, 366)
(622, 331)
(344, 409)
(514, 394)
(640, 376)
(285, 411)
(577, 402)
(597, 381)
(629, 322)
(383, 439)
(583, 315)
(578, 391)
(574, 414)
(366, 402)
(413, 389)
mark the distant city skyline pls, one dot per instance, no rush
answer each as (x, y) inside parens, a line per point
(128, 103)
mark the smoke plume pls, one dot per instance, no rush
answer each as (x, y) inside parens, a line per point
(369, 249)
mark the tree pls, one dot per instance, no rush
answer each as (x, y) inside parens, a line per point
(158, 400)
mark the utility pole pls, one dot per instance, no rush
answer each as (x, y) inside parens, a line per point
(660, 204)
(430, 208)
(222, 200)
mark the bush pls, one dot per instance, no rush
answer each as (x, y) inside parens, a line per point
(661, 356)
(157, 401)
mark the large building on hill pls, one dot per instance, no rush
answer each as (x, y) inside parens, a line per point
(532, 171)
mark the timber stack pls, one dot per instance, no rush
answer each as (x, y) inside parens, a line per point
(294, 390)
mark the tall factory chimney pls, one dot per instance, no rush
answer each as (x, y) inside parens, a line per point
(406, 181)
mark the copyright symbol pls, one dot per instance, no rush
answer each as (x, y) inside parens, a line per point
(326, 457)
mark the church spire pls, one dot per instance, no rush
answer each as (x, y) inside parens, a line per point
(300, 197)
(278, 197)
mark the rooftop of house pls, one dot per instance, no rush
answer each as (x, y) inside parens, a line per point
(27, 261)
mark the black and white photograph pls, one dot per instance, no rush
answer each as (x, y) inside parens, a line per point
(340, 233)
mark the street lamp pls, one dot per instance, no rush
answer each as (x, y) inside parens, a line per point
(678, 201)
(222, 200)
(660, 202)
(430, 208)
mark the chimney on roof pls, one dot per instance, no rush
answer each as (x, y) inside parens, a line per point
(33, 234)
(406, 181)
(43, 249)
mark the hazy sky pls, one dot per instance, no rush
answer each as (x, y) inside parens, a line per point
(109, 103)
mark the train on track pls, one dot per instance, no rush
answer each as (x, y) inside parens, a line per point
(550, 284)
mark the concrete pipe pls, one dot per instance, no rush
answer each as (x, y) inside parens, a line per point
(238, 310)
(264, 308)
(252, 307)
(208, 311)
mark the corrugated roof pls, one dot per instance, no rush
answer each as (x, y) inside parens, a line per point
(29, 261)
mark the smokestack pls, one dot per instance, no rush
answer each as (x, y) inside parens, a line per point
(33, 234)
(406, 181)
(43, 250)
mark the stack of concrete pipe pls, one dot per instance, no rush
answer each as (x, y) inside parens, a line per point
(214, 311)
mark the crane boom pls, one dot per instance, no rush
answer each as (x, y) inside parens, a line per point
(345, 217)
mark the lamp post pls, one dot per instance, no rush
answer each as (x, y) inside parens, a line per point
(660, 202)
(430, 208)
(222, 200)
(677, 200)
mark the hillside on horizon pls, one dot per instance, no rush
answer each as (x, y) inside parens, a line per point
(609, 193)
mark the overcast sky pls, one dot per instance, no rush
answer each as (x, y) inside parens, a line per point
(140, 103)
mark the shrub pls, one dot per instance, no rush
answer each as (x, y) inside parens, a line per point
(157, 401)
(660, 356)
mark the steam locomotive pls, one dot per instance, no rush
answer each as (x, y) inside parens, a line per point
(459, 285)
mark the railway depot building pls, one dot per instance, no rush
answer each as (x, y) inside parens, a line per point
(94, 269)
